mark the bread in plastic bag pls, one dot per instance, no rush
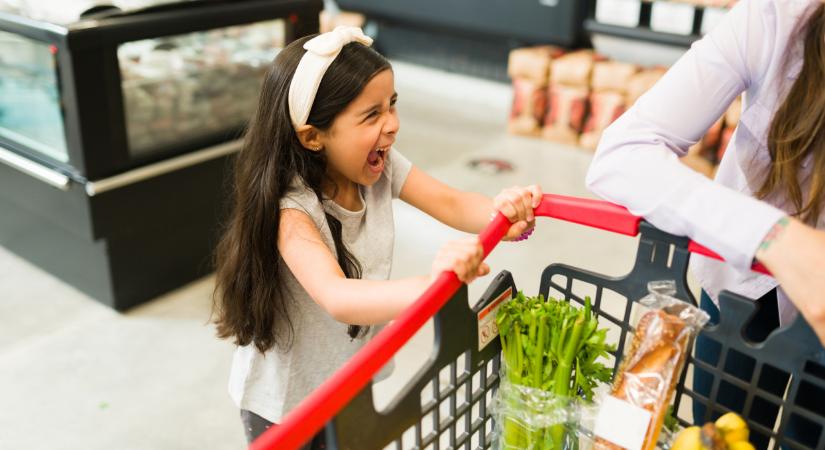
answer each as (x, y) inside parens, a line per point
(653, 362)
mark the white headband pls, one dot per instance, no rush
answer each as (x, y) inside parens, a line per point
(320, 53)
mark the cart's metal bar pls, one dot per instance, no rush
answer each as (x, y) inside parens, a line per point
(31, 168)
(160, 168)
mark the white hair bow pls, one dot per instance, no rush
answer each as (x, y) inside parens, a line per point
(321, 51)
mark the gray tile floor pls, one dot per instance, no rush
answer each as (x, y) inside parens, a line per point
(76, 375)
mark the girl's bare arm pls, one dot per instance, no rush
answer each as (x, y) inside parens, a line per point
(362, 302)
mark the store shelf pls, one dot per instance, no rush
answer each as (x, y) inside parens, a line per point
(640, 33)
(645, 25)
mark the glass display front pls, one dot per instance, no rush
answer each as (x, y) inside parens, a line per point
(30, 107)
(184, 87)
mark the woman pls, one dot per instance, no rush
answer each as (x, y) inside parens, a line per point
(766, 203)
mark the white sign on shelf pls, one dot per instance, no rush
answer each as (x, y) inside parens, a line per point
(674, 18)
(711, 18)
(623, 13)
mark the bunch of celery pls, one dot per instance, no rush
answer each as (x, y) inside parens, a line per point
(553, 346)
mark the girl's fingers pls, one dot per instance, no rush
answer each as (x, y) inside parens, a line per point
(503, 203)
(527, 202)
(516, 230)
(517, 200)
(464, 257)
(517, 203)
(483, 269)
(535, 190)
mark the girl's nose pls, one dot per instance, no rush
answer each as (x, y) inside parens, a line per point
(392, 124)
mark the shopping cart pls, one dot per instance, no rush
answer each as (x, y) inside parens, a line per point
(447, 403)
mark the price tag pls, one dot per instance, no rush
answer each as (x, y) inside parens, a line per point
(622, 423)
(624, 13)
(487, 328)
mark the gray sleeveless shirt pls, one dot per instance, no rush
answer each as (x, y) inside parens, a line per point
(273, 383)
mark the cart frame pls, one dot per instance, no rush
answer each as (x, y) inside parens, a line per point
(446, 405)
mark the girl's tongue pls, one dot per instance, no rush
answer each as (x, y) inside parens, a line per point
(374, 158)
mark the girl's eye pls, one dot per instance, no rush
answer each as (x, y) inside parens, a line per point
(372, 115)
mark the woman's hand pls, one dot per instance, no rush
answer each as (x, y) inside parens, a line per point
(795, 254)
(464, 257)
(517, 204)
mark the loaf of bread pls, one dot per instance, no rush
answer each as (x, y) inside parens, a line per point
(648, 374)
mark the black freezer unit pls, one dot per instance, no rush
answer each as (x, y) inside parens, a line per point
(117, 129)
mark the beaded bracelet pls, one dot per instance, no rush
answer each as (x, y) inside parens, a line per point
(524, 235)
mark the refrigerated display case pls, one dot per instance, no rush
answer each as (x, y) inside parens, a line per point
(116, 130)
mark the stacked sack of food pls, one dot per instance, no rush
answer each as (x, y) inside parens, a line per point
(568, 93)
(608, 100)
(572, 98)
(529, 69)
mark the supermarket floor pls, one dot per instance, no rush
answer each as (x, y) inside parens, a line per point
(76, 375)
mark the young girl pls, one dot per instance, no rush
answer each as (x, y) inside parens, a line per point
(302, 268)
(768, 199)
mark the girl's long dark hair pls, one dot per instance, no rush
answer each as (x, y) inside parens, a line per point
(797, 131)
(250, 303)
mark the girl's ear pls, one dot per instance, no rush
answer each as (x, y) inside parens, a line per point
(310, 137)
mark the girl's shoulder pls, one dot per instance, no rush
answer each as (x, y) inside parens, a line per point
(299, 196)
(396, 171)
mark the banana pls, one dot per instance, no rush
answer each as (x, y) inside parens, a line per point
(688, 439)
(733, 428)
(729, 432)
(699, 438)
(741, 445)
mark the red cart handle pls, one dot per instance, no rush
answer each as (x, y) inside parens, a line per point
(311, 414)
(610, 217)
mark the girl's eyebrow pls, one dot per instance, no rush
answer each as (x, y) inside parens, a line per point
(378, 105)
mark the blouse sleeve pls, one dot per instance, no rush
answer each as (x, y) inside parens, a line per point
(636, 163)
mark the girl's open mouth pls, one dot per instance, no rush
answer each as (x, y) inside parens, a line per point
(376, 159)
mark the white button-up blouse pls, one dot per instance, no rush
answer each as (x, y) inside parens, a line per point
(757, 49)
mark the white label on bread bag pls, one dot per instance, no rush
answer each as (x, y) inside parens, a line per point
(622, 423)
(487, 328)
